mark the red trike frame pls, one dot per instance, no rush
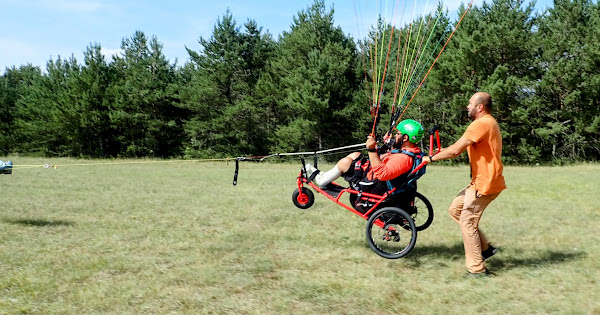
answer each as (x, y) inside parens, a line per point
(377, 199)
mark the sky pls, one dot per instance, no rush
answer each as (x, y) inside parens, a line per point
(36, 31)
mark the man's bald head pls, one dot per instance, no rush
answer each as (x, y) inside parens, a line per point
(485, 99)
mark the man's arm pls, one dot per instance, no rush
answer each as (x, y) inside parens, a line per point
(452, 151)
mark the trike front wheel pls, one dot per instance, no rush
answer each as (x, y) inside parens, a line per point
(303, 200)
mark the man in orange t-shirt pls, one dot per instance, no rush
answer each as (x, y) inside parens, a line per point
(483, 142)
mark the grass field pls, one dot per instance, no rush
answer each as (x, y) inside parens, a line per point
(178, 237)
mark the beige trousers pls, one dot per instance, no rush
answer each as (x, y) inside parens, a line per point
(466, 209)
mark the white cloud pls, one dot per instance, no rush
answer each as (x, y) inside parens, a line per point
(453, 5)
(109, 53)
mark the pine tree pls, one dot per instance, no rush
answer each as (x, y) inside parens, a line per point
(221, 90)
(14, 83)
(414, 49)
(313, 69)
(144, 114)
(48, 115)
(569, 90)
(91, 86)
(492, 51)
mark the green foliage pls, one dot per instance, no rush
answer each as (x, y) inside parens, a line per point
(524, 61)
(414, 49)
(91, 86)
(125, 108)
(313, 80)
(568, 90)
(48, 115)
(221, 91)
(14, 84)
(244, 93)
(144, 115)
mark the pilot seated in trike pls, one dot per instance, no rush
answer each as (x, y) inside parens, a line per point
(377, 173)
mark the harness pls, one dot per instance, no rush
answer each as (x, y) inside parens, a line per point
(403, 183)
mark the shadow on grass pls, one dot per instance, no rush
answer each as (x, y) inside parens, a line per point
(543, 257)
(38, 222)
(456, 251)
(504, 260)
(425, 254)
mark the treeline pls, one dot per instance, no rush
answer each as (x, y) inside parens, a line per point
(246, 93)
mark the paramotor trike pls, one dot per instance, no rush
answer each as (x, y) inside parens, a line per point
(393, 219)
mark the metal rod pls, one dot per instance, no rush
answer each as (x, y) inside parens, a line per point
(322, 151)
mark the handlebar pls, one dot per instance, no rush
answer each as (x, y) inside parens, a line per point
(434, 131)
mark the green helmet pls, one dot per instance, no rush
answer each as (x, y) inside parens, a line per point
(412, 128)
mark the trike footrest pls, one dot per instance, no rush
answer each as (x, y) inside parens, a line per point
(333, 189)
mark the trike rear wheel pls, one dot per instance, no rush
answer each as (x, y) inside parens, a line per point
(422, 212)
(391, 233)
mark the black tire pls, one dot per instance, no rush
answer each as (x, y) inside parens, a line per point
(396, 238)
(353, 200)
(305, 200)
(422, 212)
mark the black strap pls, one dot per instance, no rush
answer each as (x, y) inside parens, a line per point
(411, 154)
(237, 168)
(312, 176)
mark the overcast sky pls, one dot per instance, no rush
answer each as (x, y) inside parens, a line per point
(35, 31)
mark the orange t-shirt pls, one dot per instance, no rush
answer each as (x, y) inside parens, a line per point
(485, 155)
(393, 165)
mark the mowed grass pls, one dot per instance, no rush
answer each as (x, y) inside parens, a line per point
(178, 237)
